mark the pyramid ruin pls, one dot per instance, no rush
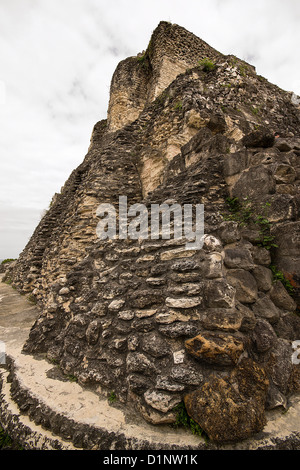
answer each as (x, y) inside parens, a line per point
(146, 320)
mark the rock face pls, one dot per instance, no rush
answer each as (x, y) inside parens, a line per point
(231, 408)
(146, 318)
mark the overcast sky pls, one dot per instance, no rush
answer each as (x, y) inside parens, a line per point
(57, 60)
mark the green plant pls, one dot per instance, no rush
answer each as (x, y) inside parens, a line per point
(207, 64)
(72, 378)
(5, 440)
(143, 60)
(240, 211)
(184, 420)
(243, 213)
(32, 299)
(7, 443)
(112, 397)
(254, 110)
(178, 105)
(279, 276)
(243, 69)
(266, 239)
(8, 260)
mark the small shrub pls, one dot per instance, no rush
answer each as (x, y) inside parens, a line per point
(279, 276)
(207, 64)
(254, 110)
(72, 378)
(6, 443)
(112, 397)
(184, 420)
(178, 105)
(5, 440)
(243, 70)
(143, 61)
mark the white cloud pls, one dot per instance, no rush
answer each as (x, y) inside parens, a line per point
(57, 59)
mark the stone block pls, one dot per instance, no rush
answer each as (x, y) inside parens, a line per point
(264, 308)
(219, 294)
(263, 277)
(154, 345)
(281, 297)
(215, 348)
(184, 302)
(228, 409)
(244, 284)
(238, 258)
(161, 401)
(254, 183)
(222, 319)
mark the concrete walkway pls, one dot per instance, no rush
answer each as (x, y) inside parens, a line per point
(43, 410)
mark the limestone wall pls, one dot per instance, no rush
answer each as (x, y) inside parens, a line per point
(153, 322)
(139, 80)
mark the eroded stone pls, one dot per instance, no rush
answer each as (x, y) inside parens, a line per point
(215, 348)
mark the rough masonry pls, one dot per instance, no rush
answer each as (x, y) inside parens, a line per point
(148, 320)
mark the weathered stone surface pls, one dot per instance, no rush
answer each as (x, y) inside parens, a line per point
(116, 305)
(261, 137)
(170, 316)
(179, 329)
(264, 308)
(138, 383)
(155, 417)
(186, 374)
(231, 408)
(263, 336)
(263, 277)
(275, 398)
(145, 299)
(248, 318)
(244, 284)
(254, 183)
(138, 362)
(187, 288)
(161, 401)
(219, 293)
(261, 256)
(288, 327)
(280, 365)
(184, 302)
(238, 258)
(117, 313)
(154, 345)
(215, 266)
(222, 319)
(176, 253)
(284, 173)
(229, 232)
(165, 383)
(93, 331)
(281, 297)
(235, 163)
(215, 348)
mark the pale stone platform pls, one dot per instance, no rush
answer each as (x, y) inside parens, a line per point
(79, 418)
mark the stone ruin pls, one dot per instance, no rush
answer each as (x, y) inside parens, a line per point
(148, 320)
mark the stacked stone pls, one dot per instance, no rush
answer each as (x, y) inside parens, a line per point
(148, 319)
